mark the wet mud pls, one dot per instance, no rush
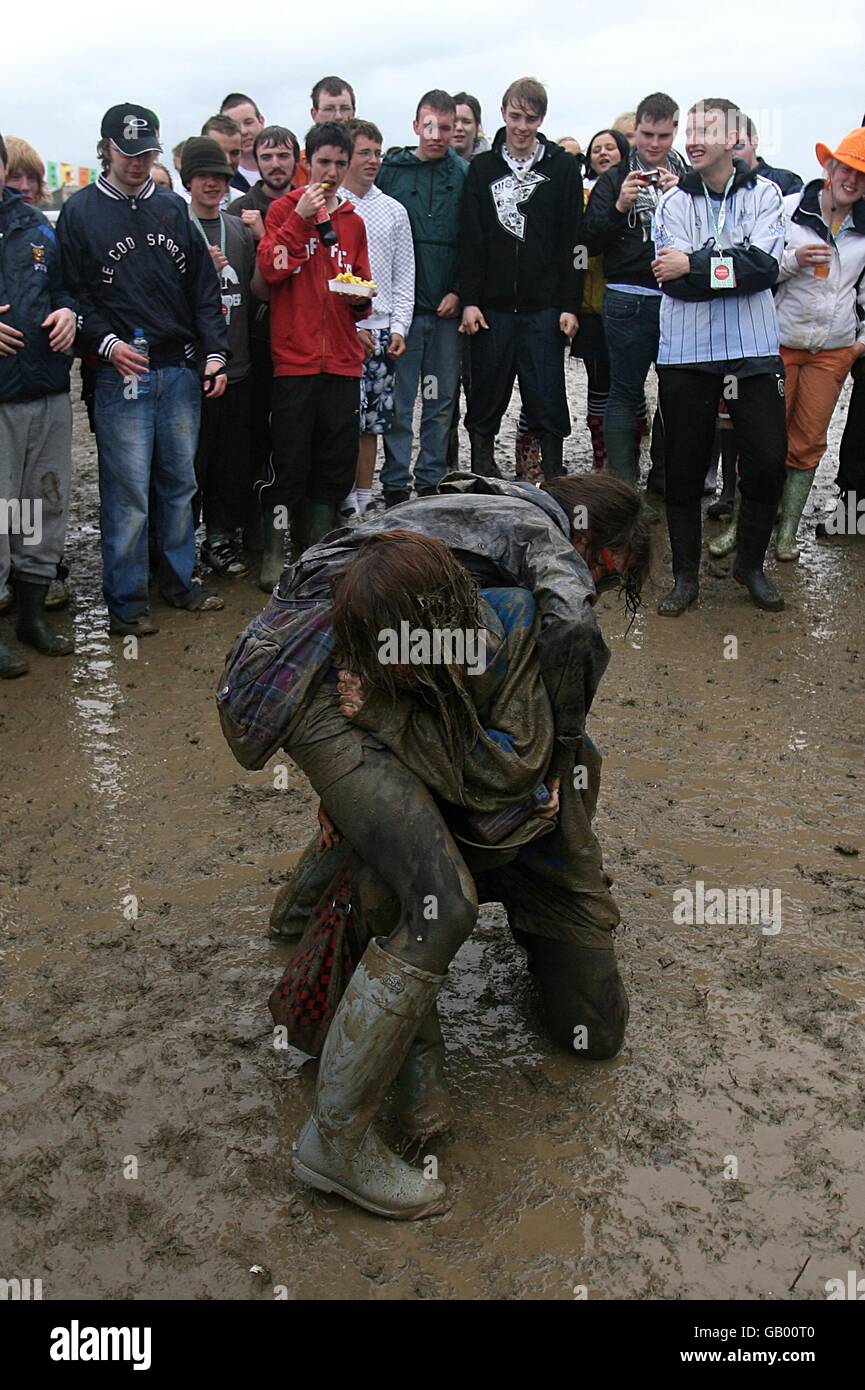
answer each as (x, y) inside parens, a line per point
(146, 1119)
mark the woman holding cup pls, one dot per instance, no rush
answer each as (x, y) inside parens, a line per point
(821, 333)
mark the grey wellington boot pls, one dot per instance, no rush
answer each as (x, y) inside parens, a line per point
(423, 1104)
(797, 485)
(273, 555)
(725, 543)
(338, 1149)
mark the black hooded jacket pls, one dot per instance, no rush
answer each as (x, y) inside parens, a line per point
(519, 237)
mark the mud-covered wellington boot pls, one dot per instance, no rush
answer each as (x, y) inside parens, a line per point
(725, 543)
(338, 1149)
(484, 455)
(595, 425)
(756, 520)
(273, 554)
(797, 485)
(11, 664)
(32, 625)
(685, 527)
(552, 452)
(423, 1104)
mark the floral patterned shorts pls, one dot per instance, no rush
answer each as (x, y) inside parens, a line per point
(376, 387)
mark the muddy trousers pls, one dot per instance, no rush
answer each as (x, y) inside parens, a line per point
(35, 469)
(391, 820)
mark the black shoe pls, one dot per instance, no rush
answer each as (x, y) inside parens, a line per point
(427, 491)
(394, 496)
(32, 626)
(722, 507)
(756, 520)
(484, 455)
(685, 525)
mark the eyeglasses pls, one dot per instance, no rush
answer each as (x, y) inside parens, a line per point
(336, 110)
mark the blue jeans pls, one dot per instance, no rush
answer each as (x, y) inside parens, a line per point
(159, 429)
(632, 330)
(432, 358)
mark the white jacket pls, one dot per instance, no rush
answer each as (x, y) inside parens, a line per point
(391, 257)
(814, 314)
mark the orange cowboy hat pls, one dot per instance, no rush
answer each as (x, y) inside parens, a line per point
(851, 151)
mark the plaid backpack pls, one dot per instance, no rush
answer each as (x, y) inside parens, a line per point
(273, 667)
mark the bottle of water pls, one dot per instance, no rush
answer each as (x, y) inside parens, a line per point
(140, 344)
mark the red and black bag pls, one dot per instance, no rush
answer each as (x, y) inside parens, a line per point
(307, 997)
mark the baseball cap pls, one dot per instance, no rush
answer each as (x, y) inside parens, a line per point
(132, 129)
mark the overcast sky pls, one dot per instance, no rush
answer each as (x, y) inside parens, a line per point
(795, 66)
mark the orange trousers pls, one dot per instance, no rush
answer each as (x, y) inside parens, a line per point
(814, 381)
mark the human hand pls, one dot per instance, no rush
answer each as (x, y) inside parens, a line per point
(667, 180)
(550, 808)
(64, 325)
(129, 363)
(254, 221)
(814, 253)
(449, 307)
(396, 346)
(670, 264)
(219, 258)
(628, 192)
(472, 320)
(365, 339)
(329, 836)
(569, 323)
(311, 201)
(11, 339)
(351, 693)
(215, 372)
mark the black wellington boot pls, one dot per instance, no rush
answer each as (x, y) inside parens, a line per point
(11, 664)
(552, 450)
(32, 626)
(685, 527)
(756, 520)
(484, 455)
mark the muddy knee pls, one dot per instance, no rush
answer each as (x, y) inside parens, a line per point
(585, 1002)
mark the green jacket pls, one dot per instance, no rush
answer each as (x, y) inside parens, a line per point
(431, 192)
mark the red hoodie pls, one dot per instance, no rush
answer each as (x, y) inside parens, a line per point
(312, 330)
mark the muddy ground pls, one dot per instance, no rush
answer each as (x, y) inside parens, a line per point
(145, 1042)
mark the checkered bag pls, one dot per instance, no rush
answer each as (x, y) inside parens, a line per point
(308, 995)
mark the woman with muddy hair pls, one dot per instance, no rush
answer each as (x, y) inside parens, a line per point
(404, 755)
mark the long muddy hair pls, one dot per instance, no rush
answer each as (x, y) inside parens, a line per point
(396, 577)
(614, 522)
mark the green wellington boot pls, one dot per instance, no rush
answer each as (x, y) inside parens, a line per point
(423, 1104)
(725, 543)
(11, 664)
(797, 485)
(320, 519)
(552, 455)
(372, 1030)
(484, 455)
(273, 555)
(32, 625)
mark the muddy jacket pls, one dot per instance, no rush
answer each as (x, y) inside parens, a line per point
(817, 314)
(31, 283)
(505, 534)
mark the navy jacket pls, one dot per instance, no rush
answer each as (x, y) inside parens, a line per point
(31, 282)
(140, 263)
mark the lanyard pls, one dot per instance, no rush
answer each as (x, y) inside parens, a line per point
(718, 223)
(194, 218)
